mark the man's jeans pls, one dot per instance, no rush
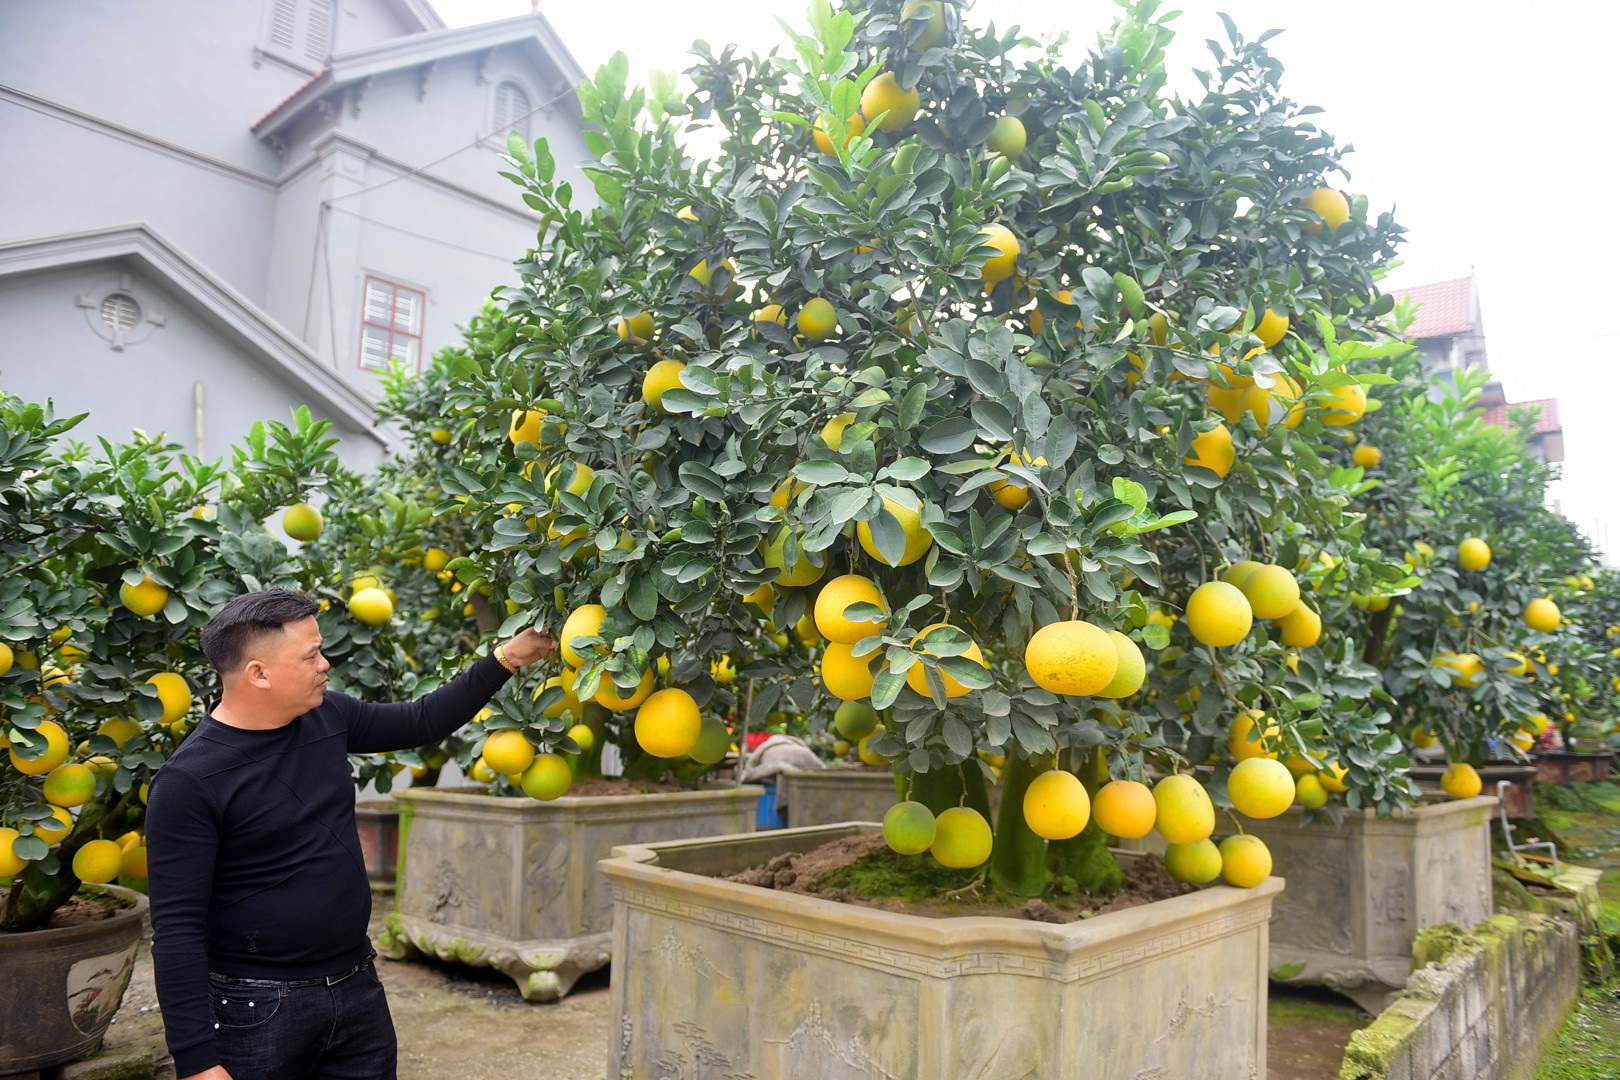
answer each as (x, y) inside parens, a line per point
(268, 1030)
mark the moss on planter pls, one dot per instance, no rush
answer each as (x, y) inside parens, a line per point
(887, 875)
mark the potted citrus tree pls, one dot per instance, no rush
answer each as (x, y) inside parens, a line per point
(974, 348)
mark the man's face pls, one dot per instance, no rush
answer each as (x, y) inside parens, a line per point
(295, 667)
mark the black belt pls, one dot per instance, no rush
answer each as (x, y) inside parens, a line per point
(289, 984)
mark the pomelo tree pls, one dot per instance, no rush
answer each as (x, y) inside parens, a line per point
(974, 358)
(115, 559)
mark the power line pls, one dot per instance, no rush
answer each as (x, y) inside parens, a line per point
(420, 236)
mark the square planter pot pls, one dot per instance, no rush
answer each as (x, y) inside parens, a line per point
(829, 796)
(378, 821)
(1358, 893)
(1518, 797)
(512, 883)
(1571, 767)
(721, 979)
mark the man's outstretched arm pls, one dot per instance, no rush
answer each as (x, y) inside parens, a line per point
(376, 729)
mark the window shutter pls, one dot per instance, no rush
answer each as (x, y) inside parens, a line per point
(511, 109)
(379, 302)
(284, 24)
(318, 41)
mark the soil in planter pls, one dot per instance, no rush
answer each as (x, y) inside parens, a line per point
(597, 788)
(862, 870)
(82, 908)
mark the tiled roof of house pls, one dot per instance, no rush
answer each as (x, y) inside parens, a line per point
(1547, 423)
(307, 83)
(1444, 307)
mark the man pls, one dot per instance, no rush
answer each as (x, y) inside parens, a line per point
(260, 901)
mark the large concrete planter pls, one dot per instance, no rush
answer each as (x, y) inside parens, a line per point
(378, 822)
(1358, 893)
(60, 988)
(513, 884)
(1571, 767)
(828, 796)
(727, 980)
(1518, 797)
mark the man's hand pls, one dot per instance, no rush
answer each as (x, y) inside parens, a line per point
(531, 645)
(216, 1073)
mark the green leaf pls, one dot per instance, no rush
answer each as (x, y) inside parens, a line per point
(950, 435)
(702, 481)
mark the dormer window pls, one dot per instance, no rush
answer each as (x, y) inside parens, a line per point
(511, 112)
(298, 32)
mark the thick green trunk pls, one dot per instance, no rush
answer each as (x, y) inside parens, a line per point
(1018, 859)
(1085, 859)
(35, 895)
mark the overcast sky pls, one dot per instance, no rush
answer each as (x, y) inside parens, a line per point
(1488, 127)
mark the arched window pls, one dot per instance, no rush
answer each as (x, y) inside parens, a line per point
(512, 108)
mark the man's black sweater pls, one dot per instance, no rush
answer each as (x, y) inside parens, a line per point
(253, 853)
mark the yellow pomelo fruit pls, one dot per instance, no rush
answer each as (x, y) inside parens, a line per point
(1423, 739)
(70, 785)
(1125, 808)
(864, 751)
(148, 598)
(855, 720)
(668, 724)
(1467, 669)
(722, 671)
(804, 570)
(832, 433)
(101, 765)
(835, 598)
(638, 329)
(583, 621)
(961, 838)
(1300, 628)
(610, 697)
(1368, 457)
(1213, 450)
(1239, 572)
(6, 658)
(1332, 777)
(568, 704)
(371, 606)
(435, 559)
(1271, 329)
(440, 435)
(133, 862)
(773, 313)
(1037, 320)
(302, 522)
(1196, 863)
(1218, 614)
(481, 772)
(714, 742)
(58, 825)
(1245, 861)
(999, 267)
(97, 862)
(1012, 492)
(1073, 657)
(547, 777)
(1524, 739)
(933, 31)
(508, 752)
(1132, 669)
(705, 276)
(910, 518)
(584, 737)
(525, 426)
(56, 751)
(1331, 205)
(1542, 615)
(1183, 811)
(822, 137)
(174, 694)
(1272, 592)
(917, 678)
(1008, 137)
(883, 95)
(1346, 405)
(1309, 792)
(10, 864)
(1461, 781)
(1241, 742)
(662, 376)
(1056, 805)
(1538, 722)
(817, 319)
(1260, 787)
(806, 629)
(764, 598)
(1473, 554)
(908, 828)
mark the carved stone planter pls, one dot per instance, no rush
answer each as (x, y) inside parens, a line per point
(723, 979)
(378, 821)
(1358, 893)
(512, 883)
(60, 988)
(828, 796)
(1518, 796)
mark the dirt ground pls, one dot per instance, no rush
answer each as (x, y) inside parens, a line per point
(1306, 1032)
(453, 1022)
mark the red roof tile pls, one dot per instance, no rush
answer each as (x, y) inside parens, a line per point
(1444, 307)
(283, 102)
(1546, 424)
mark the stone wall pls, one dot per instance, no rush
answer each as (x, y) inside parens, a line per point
(1481, 1006)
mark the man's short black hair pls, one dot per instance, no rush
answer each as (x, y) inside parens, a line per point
(246, 620)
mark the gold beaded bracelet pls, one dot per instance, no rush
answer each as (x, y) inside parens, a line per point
(500, 656)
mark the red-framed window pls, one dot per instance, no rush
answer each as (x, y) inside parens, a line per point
(391, 325)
